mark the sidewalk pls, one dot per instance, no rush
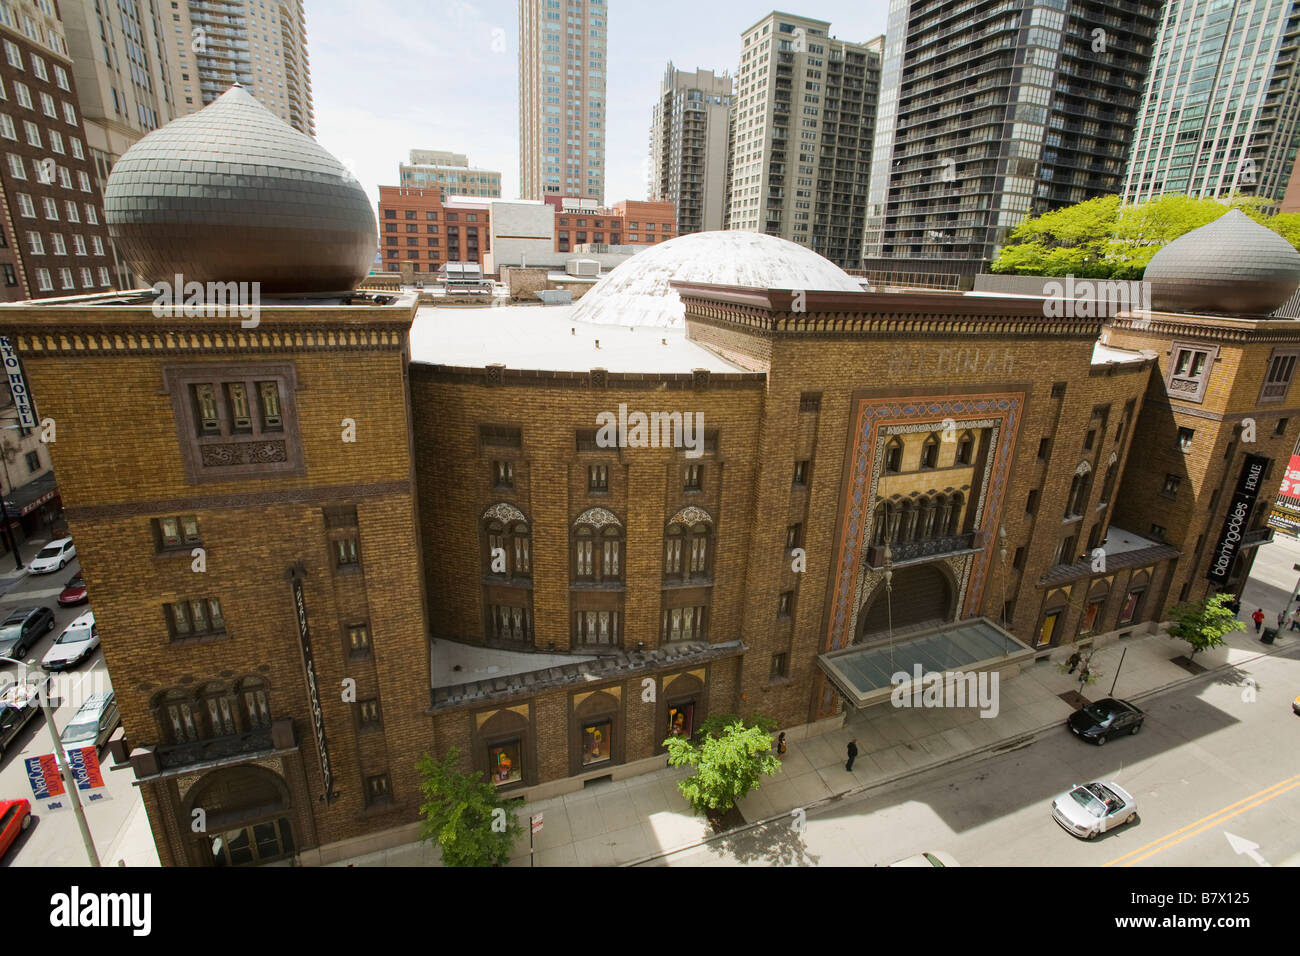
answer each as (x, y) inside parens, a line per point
(645, 817)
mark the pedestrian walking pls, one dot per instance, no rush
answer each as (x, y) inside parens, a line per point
(1073, 661)
(1295, 620)
(853, 754)
(1258, 618)
(780, 745)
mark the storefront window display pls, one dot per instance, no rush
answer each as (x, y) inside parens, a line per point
(504, 763)
(596, 742)
(681, 719)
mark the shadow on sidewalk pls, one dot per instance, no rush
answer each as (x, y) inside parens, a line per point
(776, 842)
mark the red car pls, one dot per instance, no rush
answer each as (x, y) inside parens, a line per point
(15, 816)
(74, 593)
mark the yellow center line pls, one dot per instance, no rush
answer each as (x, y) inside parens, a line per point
(1207, 822)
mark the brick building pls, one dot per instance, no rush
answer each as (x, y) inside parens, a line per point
(628, 222)
(52, 232)
(426, 228)
(555, 540)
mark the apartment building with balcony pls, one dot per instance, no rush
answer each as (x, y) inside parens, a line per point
(1221, 110)
(994, 111)
(689, 142)
(805, 108)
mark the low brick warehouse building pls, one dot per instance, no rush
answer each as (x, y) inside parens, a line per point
(359, 531)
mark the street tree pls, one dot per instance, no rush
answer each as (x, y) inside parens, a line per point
(464, 814)
(1203, 624)
(730, 756)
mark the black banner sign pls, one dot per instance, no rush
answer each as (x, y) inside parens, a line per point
(1238, 519)
(309, 665)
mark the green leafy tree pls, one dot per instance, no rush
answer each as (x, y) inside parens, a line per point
(1100, 238)
(729, 756)
(464, 814)
(1203, 624)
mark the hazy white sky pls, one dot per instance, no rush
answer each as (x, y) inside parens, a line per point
(389, 76)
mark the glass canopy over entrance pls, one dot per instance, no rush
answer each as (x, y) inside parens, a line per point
(864, 674)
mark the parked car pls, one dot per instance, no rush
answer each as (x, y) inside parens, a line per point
(54, 556)
(19, 705)
(928, 858)
(15, 816)
(1094, 808)
(23, 628)
(77, 642)
(1295, 704)
(93, 724)
(74, 593)
(1107, 718)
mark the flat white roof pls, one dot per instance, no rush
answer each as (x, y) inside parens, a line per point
(547, 338)
(1101, 354)
(1118, 540)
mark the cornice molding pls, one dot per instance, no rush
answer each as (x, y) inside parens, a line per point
(132, 340)
(1240, 331)
(327, 494)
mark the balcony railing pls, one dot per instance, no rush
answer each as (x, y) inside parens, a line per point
(216, 748)
(930, 548)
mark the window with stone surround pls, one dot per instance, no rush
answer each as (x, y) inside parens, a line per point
(176, 533)
(195, 617)
(1277, 378)
(236, 421)
(1189, 370)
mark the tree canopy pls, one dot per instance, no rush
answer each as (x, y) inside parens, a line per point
(1103, 239)
(1203, 624)
(729, 756)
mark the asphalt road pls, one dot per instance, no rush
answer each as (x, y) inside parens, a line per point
(1217, 756)
(54, 838)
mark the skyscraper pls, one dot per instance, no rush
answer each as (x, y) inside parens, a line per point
(688, 147)
(261, 46)
(991, 115)
(562, 99)
(805, 110)
(1221, 112)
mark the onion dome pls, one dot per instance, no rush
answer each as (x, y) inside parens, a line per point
(637, 292)
(1231, 266)
(234, 194)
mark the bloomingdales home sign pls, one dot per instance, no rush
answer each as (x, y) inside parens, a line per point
(17, 384)
(1238, 519)
(309, 665)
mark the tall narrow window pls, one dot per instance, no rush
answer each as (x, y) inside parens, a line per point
(241, 418)
(205, 408)
(269, 393)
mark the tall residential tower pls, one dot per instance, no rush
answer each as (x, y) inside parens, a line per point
(688, 147)
(804, 117)
(1222, 108)
(995, 112)
(562, 99)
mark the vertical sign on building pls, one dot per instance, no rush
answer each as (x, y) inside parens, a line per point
(17, 384)
(1237, 522)
(309, 667)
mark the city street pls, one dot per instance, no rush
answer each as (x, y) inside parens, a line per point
(1216, 756)
(54, 838)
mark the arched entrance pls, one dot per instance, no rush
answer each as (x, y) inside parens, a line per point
(246, 813)
(923, 594)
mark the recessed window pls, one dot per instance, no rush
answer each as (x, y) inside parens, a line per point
(930, 452)
(505, 762)
(894, 456)
(1189, 372)
(793, 536)
(503, 474)
(1043, 445)
(1018, 561)
(1170, 489)
(783, 603)
(501, 436)
(1280, 428)
(965, 449)
(692, 478)
(801, 472)
(1185, 436)
(780, 667)
(1058, 390)
(345, 551)
(179, 533)
(1031, 502)
(196, 617)
(1277, 380)
(358, 640)
(368, 713)
(378, 789)
(1158, 532)
(810, 402)
(598, 478)
(1089, 439)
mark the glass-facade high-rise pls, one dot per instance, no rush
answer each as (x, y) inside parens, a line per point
(1221, 113)
(562, 98)
(992, 111)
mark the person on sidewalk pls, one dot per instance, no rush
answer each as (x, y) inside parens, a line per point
(780, 743)
(1258, 618)
(1295, 620)
(853, 754)
(1073, 661)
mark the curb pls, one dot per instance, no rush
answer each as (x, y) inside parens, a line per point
(1014, 742)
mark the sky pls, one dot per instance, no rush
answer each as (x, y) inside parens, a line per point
(389, 76)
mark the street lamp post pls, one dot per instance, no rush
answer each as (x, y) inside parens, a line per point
(69, 782)
(889, 601)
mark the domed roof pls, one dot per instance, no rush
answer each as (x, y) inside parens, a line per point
(637, 292)
(1232, 265)
(234, 194)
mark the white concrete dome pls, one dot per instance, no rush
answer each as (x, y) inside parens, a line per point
(638, 291)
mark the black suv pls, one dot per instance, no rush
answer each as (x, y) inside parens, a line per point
(23, 628)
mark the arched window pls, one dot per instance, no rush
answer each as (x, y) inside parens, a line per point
(943, 517)
(930, 451)
(507, 542)
(929, 508)
(907, 527)
(688, 549)
(881, 524)
(965, 448)
(954, 515)
(598, 546)
(894, 455)
(1108, 485)
(219, 707)
(256, 703)
(1079, 487)
(178, 717)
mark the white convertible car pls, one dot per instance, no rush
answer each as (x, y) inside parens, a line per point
(1091, 808)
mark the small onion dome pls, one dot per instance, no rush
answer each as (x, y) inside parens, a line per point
(234, 194)
(1231, 266)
